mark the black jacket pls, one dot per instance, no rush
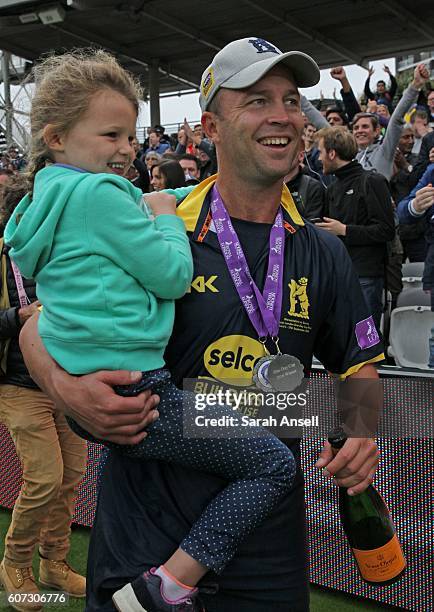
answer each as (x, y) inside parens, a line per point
(388, 95)
(361, 200)
(16, 371)
(422, 161)
(308, 194)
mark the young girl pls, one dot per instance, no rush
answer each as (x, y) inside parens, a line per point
(107, 275)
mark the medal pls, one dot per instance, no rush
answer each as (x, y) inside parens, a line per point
(260, 373)
(285, 373)
(272, 372)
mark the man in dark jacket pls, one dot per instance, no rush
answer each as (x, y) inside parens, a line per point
(425, 157)
(385, 95)
(411, 235)
(307, 192)
(359, 211)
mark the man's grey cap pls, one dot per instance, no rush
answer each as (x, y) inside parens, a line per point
(243, 62)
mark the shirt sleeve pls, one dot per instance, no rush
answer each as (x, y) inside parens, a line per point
(155, 252)
(404, 213)
(348, 338)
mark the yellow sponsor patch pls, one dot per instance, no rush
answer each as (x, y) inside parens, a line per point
(208, 83)
(231, 359)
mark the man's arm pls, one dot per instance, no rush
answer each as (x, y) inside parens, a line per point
(313, 115)
(90, 400)
(425, 157)
(368, 93)
(355, 465)
(409, 97)
(393, 84)
(420, 199)
(348, 98)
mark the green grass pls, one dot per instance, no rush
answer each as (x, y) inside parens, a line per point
(322, 600)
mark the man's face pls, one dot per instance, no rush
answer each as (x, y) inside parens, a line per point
(258, 129)
(364, 132)
(309, 133)
(154, 139)
(431, 102)
(406, 141)
(335, 119)
(136, 145)
(190, 167)
(381, 87)
(328, 165)
(197, 130)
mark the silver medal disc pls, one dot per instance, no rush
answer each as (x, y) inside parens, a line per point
(285, 373)
(260, 373)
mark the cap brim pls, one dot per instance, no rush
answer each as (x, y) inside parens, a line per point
(304, 69)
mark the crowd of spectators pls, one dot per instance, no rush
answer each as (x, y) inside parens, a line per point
(390, 133)
(164, 162)
(390, 144)
(378, 180)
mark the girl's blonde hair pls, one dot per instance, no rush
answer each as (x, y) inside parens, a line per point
(64, 86)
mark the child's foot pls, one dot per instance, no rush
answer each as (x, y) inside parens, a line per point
(144, 594)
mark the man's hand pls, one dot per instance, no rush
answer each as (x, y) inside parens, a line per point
(400, 161)
(333, 226)
(28, 311)
(354, 466)
(371, 107)
(386, 69)
(424, 198)
(371, 71)
(90, 400)
(182, 137)
(421, 76)
(188, 130)
(338, 73)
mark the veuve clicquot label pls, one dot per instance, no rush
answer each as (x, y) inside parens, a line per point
(380, 564)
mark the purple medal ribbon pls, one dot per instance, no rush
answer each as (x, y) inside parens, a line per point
(22, 295)
(264, 308)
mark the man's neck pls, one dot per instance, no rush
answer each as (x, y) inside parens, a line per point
(250, 202)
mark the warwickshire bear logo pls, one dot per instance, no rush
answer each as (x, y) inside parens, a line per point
(298, 300)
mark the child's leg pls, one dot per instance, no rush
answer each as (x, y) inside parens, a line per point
(259, 469)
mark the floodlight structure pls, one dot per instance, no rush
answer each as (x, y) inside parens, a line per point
(14, 104)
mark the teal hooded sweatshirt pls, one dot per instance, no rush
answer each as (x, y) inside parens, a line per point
(106, 273)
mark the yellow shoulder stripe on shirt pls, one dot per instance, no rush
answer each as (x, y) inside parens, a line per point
(359, 366)
(190, 208)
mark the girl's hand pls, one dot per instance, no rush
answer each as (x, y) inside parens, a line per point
(161, 203)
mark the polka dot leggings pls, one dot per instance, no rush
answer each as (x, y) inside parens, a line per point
(258, 467)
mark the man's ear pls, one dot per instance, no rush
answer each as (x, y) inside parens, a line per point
(331, 154)
(53, 138)
(209, 124)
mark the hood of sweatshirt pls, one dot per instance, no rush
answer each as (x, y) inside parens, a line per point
(32, 226)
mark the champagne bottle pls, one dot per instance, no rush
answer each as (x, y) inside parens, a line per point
(369, 529)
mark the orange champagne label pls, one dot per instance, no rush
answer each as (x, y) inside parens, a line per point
(381, 564)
